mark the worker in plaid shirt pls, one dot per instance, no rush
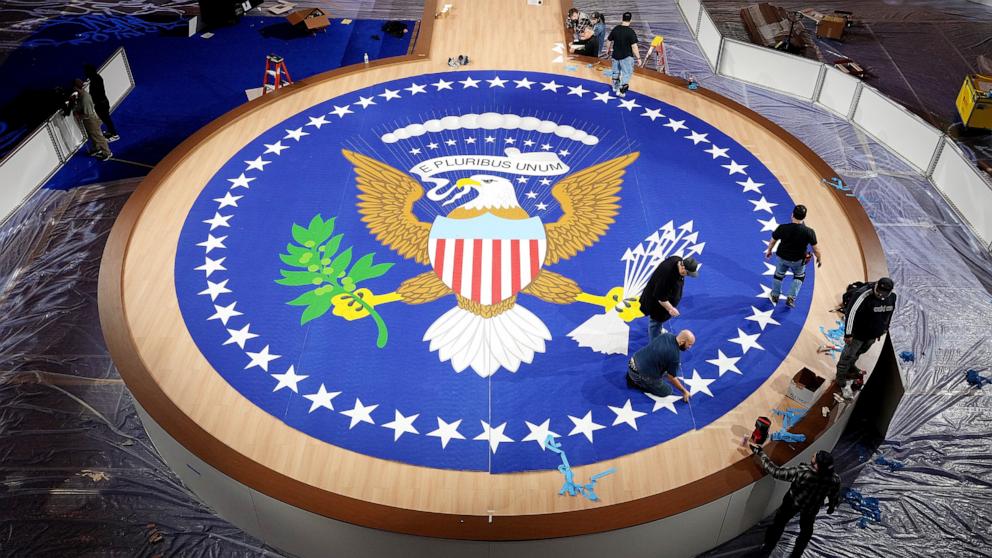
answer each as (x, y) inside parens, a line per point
(811, 484)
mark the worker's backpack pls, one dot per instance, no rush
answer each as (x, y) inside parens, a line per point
(852, 291)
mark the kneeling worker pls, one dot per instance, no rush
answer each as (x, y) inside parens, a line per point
(648, 368)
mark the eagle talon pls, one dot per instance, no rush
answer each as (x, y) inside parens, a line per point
(629, 309)
(346, 306)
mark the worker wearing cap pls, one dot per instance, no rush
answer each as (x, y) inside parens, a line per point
(868, 312)
(661, 296)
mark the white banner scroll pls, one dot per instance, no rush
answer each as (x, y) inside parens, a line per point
(537, 163)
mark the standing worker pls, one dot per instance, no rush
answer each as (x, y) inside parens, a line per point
(662, 294)
(793, 238)
(868, 311)
(623, 44)
(100, 101)
(811, 484)
(91, 123)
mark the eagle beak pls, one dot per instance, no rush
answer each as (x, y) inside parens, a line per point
(466, 182)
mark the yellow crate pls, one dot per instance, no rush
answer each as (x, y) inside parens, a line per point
(974, 101)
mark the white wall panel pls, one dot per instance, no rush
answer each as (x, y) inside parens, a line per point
(117, 78)
(26, 168)
(690, 11)
(964, 186)
(769, 68)
(838, 91)
(908, 136)
(709, 38)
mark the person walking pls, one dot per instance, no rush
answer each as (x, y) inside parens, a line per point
(100, 102)
(661, 296)
(91, 123)
(811, 485)
(623, 45)
(659, 360)
(868, 313)
(792, 239)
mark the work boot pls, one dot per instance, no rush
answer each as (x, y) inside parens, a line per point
(790, 301)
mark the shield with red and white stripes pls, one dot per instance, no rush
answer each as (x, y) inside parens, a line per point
(490, 269)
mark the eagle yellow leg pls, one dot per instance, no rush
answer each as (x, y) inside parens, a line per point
(629, 309)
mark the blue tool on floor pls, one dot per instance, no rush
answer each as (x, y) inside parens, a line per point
(907, 356)
(589, 489)
(870, 511)
(892, 464)
(976, 379)
(790, 417)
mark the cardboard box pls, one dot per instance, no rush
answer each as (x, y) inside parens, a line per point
(806, 387)
(831, 27)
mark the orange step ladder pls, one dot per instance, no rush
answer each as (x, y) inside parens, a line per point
(275, 68)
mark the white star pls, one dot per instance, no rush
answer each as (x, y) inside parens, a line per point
(751, 186)
(441, 84)
(224, 313)
(469, 82)
(528, 143)
(317, 122)
(698, 385)
(629, 104)
(531, 195)
(390, 94)
(747, 341)
(257, 163)
(341, 111)
(584, 426)
(212, 242)
(769, 269)
(322, 399)
(653, 113)
(450, 142)
(296, 134)
(215, 289)
(432, 145)
(550, 86)
(240, 336)
(261, 359)
(494, 435)
(227, 200)
(545, 182)
(525, 83)
(289, 379)
(496, 82)
(276, 147)
(667, 402)
(446, 431)
(490, 139)
(564, 153)
(725, 363)
(696, 138)
(762, 318)
(359, 413)
(604, 96)
(211, 266)
(763, 204)
(540, 433)
(718, 152)
(401, 424)
(769, 225)
(469, 140)
(510, 141)
(546, 147)
(626, 414)
(734, 167)
(415, 151)
(578, 91)
(676, 125)
(364, 102)
(541, 206)
(765, 291)
(240, 182)
(522, 179)
(416, 88)
(218, 220)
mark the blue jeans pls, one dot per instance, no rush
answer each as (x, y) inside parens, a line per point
(655, 328)
(798, 269)
(622, 70)
(657, 386)
(600, 31)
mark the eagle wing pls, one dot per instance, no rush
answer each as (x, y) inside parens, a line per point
(386, 205)
(588, 203)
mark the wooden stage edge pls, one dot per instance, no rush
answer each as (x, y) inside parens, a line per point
(188, 433)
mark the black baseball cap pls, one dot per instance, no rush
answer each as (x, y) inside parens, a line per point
(627, 16)
(885, 285)
(691, 266)
(824, 461)
(799, 212)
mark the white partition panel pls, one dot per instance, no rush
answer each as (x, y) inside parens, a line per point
(67, 134)
(907, 135)
(117, 79)
(690, 11)
(709, 38)
(770, 68)
(838, 91)
(967, 190)
(26, 168)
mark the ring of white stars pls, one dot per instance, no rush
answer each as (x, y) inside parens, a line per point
(260, 355)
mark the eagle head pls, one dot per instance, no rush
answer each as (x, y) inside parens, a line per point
(495, 195)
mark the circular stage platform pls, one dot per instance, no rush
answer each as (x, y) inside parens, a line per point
(376, 295)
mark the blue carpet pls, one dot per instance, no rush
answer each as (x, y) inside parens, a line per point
(403, 384)
(181, 83)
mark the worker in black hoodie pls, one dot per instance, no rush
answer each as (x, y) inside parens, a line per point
(868, 312)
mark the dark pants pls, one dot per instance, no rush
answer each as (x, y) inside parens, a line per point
(657, 386)
(846, 371)
(784, 514)
(103, 111)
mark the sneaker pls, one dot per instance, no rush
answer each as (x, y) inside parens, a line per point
(462, 59)
(103, 156)
(847, 393)
(790, 301)
(616, 87)
(114, 137)
(773, 297)
(452, 62)
(623, 90)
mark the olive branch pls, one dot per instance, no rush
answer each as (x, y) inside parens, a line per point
(315, 252)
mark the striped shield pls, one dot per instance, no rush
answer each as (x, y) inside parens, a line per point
(490, 269)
